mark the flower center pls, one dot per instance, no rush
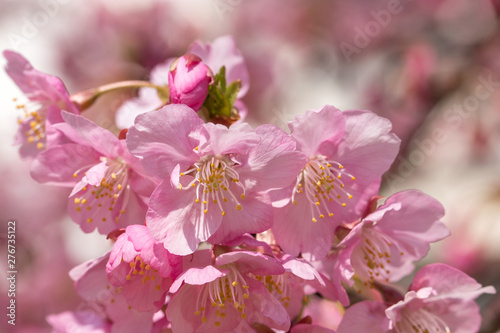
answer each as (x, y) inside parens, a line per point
(212, 180)
(113, 189)
(33, 121)
(231, 289)
(421, 321)
(376, 251)
(138, 267)
(277, 285)
(322, 181)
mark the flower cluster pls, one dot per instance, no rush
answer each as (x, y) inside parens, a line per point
(220, 227)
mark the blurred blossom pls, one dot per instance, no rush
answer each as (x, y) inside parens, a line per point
(124, 45)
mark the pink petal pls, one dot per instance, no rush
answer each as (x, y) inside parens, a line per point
(418, 218)
(197, 276)
(448, 282)
(36, 85)
(58, 164)
(273, 162)
(367, 138)
(164, 139)
(88, 133)
(176, 220)
(296, 233)
(251, 262)
(255, 216)
(237, 139)
(314, 129)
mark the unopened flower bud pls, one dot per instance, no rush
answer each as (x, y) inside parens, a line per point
(188, 81)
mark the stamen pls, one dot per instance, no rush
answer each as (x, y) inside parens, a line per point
(212, 179)
(322, 182)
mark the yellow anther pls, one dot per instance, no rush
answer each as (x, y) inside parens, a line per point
(350, 196)
(205, 211)
(89, 220)
(243, 316)
(157, 287)
(77, 201)
(196, 148)
(113, 175)
(238, 207)
(317, 203)
(84, 201)
(217, 324)
(197, 201)
(235, 283)
(321, 216)
(294, 202)
(119, 187)
(182, 174)
(314, 220)
(204, 319)
(75, 175)
(205, 202)
(242, 196)
(223, 213)
(353, 178)
(129, 277)
(344, 204)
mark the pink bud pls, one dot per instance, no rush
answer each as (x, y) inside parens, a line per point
(188, 80)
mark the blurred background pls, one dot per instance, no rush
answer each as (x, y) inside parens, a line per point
(430, 66)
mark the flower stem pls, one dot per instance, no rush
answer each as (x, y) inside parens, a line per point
(87, 98)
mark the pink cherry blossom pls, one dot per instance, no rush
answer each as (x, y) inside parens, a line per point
(111, 188)
(143, 268)
(47, 97)
(215, 178)
(440, 299)
(104, 300)
(384, 245)
(188, 81)
(217, 297)
(347, 153)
